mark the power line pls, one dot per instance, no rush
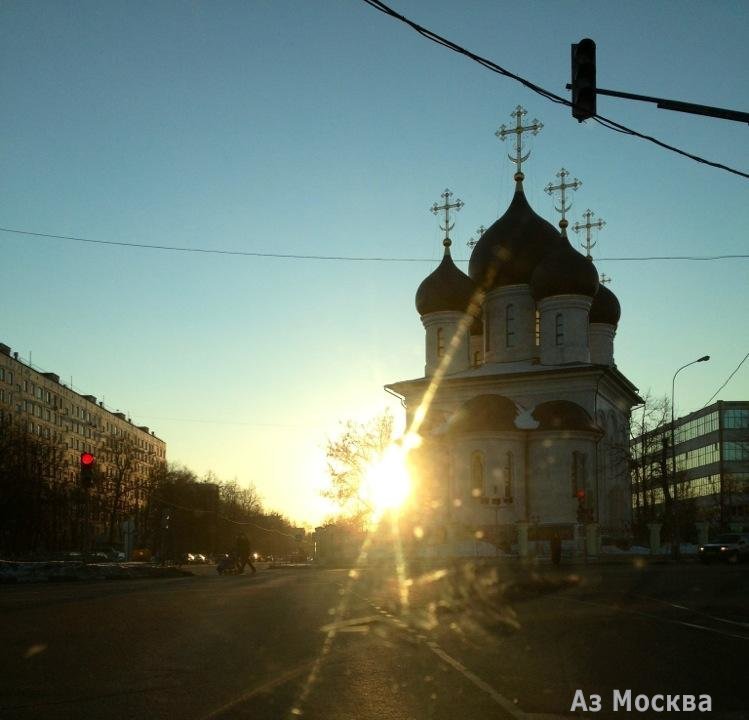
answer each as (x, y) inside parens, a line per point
(727, 381)
(343, 258)
(489, 65)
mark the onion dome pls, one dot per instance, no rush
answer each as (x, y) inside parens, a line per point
(485, 413)
(605, 307)
(512, 247)
(563, 415)
(564, 272)
(446, 289)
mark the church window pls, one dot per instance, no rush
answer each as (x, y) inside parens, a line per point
(559, 325)
(476, 358)
(477, 474)
(537, 328)
(508, 476)
(440, 342)
(510, 326)
(579, 472)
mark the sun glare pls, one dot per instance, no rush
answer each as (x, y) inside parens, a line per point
(387, 484)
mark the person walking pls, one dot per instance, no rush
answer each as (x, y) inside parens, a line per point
(243, 554)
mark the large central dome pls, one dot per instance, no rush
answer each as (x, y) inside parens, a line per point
(509, 251)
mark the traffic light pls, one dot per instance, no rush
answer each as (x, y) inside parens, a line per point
(584, 80)
(87, 469)
(581, 512)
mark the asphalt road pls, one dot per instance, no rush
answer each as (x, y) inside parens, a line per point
(445, 643)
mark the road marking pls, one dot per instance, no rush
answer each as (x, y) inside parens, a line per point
(694, 611)
(656, 617)
(507, 705)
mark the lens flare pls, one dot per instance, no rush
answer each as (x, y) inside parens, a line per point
(387, 483)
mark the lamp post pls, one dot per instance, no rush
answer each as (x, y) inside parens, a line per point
(674, 529)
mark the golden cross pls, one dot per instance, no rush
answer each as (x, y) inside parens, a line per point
(472, 243)
(605, 279)
(562, 187)
(577, 227)
(447, 207)
(518, 131)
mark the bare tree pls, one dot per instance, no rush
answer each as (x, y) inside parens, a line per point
(349, 455)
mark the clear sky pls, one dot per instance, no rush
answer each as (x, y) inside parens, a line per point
(325, 127)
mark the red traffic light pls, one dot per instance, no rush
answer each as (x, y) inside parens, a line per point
(87, 459)
(581, 494)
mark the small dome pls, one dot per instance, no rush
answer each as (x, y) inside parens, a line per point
(484, 413)
(605, 307)
(446, 289)
(564, 272)
(512, 247)
(563, 415)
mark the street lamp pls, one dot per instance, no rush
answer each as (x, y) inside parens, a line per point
(675, 548)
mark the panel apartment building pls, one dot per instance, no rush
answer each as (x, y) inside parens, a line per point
(45, 407)
(712, 463)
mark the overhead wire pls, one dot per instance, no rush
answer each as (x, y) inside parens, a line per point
(489, 65)
(728, 379)
(345, 258)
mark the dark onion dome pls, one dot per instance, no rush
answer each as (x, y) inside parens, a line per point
(484, 413)
(446, 289)
(605, 307)
(512, 247)
(564, 272)
(563, 415)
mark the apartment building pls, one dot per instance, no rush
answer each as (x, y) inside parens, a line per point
(79, 423)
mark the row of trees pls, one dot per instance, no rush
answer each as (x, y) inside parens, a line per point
(167, 509)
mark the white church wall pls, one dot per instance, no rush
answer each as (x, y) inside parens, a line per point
(550, 490)
(510, 312)
(564, 329)
(602, 343)
(441, 330)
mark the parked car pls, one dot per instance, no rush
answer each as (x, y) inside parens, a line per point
(732, 547)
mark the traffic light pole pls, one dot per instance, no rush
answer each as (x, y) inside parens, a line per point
(677, 105)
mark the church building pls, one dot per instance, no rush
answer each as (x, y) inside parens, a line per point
(522, 411)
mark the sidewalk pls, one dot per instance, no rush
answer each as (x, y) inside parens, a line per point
(71, 570)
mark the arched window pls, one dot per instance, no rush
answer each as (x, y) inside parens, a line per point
(559, 326)
(510, 326)
(509, 474)
(477, 358)
(440, 342)
(579, 472)
(537, 328)
(477, 474)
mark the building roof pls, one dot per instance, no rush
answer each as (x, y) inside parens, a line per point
(484, 413)
(563, 415)
(605, 307)
(564, 272)
(446, 289)
(509, 251)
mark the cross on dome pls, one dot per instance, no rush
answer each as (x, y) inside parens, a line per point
(518, 131)
(479, 232)
(588, 226)
(604, 279)
(562, 188)
(446, 207)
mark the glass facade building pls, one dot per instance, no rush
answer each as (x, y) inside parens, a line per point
(711, 448)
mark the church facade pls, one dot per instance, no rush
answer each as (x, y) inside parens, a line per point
(522, 411)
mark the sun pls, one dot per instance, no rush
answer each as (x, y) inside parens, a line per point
(387, 483)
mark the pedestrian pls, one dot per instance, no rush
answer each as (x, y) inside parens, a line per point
(243, 554)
